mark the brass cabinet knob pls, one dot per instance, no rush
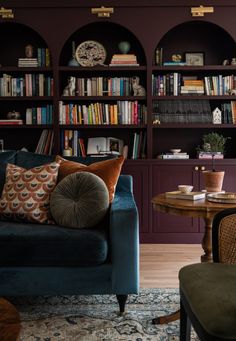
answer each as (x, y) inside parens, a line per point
(203, 168)
(196, 168)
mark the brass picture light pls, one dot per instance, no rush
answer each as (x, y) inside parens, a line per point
(103, 12)
(201, 10)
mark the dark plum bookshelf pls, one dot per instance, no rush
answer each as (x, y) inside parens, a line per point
(147, 25)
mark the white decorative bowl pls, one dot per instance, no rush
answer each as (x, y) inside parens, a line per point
(174, 151)
(185, 188)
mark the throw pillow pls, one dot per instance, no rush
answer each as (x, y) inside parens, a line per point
(79, 200)
(108, 171)
(26, 193)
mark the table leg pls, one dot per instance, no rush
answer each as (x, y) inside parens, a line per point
(206, 241)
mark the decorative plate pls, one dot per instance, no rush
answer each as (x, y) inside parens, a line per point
(224, 198)
(90, 53)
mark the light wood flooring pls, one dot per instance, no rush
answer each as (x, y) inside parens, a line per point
(160, 263)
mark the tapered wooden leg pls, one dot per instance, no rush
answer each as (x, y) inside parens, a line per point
(206, 242)
(185, 325)
(122, 300)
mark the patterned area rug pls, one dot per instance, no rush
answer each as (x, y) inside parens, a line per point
(96, 318)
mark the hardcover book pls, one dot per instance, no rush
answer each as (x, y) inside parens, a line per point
(185, 196)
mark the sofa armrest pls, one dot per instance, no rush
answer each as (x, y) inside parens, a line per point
(124, 240)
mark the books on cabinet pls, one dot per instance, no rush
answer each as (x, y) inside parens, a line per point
(185, 196)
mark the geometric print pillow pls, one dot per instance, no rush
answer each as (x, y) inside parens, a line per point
(26, 193)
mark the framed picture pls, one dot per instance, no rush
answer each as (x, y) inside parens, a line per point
(194, 58)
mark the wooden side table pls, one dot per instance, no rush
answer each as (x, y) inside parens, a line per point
(9, 321)
(198, 208)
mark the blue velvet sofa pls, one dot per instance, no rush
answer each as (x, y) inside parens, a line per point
(40, 259)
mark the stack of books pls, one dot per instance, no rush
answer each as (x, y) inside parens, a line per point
(27, 62)
(173, 156)
(124, 60)
(192, 87)
(185, 196)
(210, 155)
(13, 121)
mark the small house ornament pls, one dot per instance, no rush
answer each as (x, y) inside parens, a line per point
(216, 116)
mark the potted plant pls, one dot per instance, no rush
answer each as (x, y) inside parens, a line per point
(213, 144)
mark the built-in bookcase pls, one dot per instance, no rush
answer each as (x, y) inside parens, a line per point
(164, 25)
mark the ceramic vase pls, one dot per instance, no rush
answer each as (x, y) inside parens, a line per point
(124, 47)
(213, 180)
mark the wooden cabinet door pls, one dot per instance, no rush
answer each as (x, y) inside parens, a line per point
(139, 172)
(166, 227)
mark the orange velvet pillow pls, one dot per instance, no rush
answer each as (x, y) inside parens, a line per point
(108, 171)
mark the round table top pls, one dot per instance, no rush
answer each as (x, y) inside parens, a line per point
(200, 207)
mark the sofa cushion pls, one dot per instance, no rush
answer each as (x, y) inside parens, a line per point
(25, 244)
(79, 200)
(30, 160)
(5, 157)
(26, 193)
(108, 171)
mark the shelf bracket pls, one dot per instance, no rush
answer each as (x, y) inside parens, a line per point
(201, 10)
(6, 13)
(103, 12)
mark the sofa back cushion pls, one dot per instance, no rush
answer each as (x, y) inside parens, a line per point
(26, 193)
(108, 171)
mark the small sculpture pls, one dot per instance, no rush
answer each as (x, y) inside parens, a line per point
(70, 88)
(137, 88)
(29, 51)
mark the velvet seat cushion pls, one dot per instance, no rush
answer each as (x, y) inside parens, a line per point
(24, 244)
(210, 290)
(79, 200)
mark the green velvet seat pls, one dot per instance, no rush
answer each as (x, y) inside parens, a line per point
(208, 290)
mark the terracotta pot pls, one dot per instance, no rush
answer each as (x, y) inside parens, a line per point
(213, 180)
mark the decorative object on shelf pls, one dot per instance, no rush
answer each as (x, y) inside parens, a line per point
(103, 12)
(124, 47)
(213, 143)
(158, 56)
(233, 92)
(90, 53)
(73, 61)
(70, 88)
(216, 116)
(137, 88)
(233, 61)
(201, 10)
(224, 198)
(194, 58)
(176, 57)
(225, 62)
(29, 51)
(13, 115)
(6, 13)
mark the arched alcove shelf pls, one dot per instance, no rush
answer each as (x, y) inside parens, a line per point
(198, 36)
(109, 35)
(13, 39)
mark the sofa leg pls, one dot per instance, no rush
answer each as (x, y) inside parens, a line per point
(122, 300)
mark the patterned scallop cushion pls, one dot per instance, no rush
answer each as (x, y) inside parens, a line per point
(26, 193)
(79, 200)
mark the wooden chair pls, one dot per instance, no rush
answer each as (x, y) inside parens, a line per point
(208, 290)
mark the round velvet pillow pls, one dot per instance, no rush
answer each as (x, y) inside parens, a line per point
(79, 200)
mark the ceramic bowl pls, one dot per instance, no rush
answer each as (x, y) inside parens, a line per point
(175, 150)
(185, 188)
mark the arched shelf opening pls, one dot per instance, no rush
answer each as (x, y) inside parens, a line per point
(109, 35)
(210, 39)
(13, 39)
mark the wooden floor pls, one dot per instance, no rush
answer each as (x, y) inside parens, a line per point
(160, 263)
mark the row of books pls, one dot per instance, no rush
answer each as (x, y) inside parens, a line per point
(39, 115)
(173, 156)
(43, 59)
(123, 112)
(29, 85)
(228, 112)
(139, 145)
(45, 143)
(188, 111)
(72, 143)
(173, 84)
(104, 86)
(125, 59)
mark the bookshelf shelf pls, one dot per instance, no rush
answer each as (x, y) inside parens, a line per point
(24, 126)
(193, 126)
(103, 98)
(102, 126)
